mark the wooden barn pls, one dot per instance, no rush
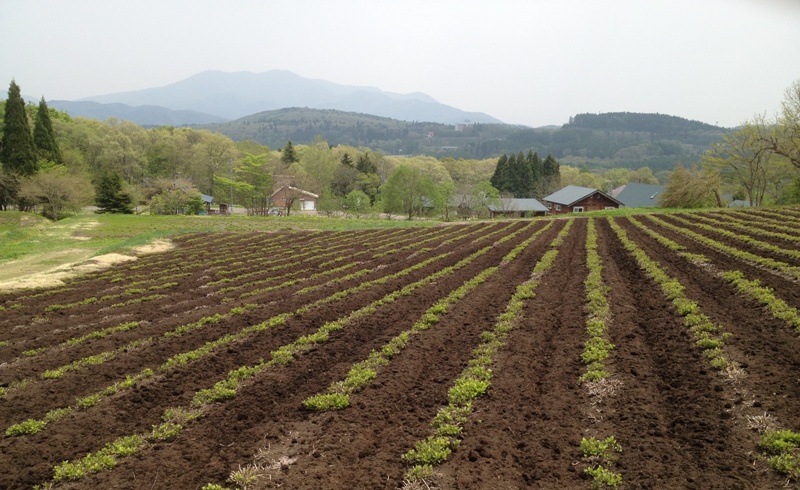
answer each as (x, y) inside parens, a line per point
(576, 199)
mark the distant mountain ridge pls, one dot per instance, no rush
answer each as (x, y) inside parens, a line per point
(144, 115)
(228, 96)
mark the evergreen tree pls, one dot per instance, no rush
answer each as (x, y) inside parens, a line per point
(288, 155)
(551, 169)
(17, 151)
(499, 179)
(536, 166)
(43, 135)
(346, 160)
(551, 175)
(521, 180)
(364, 165)
(110, 197)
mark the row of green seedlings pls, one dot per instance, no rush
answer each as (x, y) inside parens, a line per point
(737, 236)
(174, 333)
(179, 331)
(361, 374)
(93, 360)
(784, 215)
(161, 261)
(599, 455)
(392, 241)
(188, 257)
(458, 231)
(226, 389)
(761, 221)
(763, 295)
(356, 239)
(291, 282)
(746, 226)
(475, 380)
(188, 357)
(334, 251)
(110, 297)
(781, 268)
(272, 287)
(708, 336)
(97, 334)
(781, 446)
(32, 426)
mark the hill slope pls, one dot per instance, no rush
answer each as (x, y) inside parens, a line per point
(654, 140)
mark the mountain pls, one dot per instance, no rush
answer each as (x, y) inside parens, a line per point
(235, 95)
(144, 115)
(630, 140)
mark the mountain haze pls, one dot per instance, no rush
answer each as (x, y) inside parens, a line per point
(144, 115)
(234, 95)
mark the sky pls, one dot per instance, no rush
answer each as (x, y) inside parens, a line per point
(530, 62)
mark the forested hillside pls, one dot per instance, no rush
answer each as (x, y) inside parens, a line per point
(592, 140)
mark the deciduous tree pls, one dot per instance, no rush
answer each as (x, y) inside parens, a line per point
(743, 154)
(691, 188)
(57, 190)
(407, 191)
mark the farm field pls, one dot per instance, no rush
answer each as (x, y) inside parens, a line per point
(638, 351)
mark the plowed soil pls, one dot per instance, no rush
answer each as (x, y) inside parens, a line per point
(680, 422)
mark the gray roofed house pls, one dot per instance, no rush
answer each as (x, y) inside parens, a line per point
(577, 199)
(517, 207)
(636, 195)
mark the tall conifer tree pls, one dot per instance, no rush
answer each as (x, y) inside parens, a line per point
(521, 177)
(288, 155)
(43, 135)
(17, 151)
(499, 178)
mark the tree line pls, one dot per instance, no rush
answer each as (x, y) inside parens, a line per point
(58, 163)
(526, 176)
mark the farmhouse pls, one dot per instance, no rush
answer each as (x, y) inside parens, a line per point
(636, 195)
(516, 208)
(288, 195)
(576, 199)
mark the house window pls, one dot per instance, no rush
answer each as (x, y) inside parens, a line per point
(558, 207)
(577, 209)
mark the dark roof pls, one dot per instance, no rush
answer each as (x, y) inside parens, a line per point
(571, 194)
(636, 195)
(522, 205)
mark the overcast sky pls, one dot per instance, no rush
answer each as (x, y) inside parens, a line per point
(532, 62)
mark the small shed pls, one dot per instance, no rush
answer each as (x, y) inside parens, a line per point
(207, 201)
(516, 208)
(576, 199)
